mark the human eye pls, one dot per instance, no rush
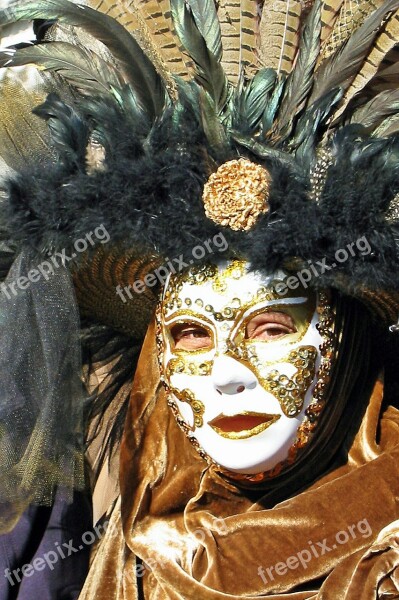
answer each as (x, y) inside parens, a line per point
(191, 336)
(270, 325)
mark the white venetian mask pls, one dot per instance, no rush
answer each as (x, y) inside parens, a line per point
(240, 363)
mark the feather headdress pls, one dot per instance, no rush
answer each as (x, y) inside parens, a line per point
(155, 104)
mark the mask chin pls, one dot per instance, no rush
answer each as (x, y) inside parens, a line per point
(243, 366)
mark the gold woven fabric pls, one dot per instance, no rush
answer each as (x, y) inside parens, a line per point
(96, 283)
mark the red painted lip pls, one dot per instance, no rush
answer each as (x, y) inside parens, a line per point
(241, 422)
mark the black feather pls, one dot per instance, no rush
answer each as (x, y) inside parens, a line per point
(209, 72)
(341, 67)
(371, 114)
(300, 80)
(309, 127)
(250, 100)
(137, 67)
(81, 68)
(70, 134)
(207, 21)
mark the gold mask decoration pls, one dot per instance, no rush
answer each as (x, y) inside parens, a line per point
(247, 398)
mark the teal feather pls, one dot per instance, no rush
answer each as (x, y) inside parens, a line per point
(300, 80)
(341, 67)
(388, 126)
(309, 127)
(383, 105)
(68, 131)
(251, 98)
(81, 68)
(213, 128)
(137, 67)
(271, 107)
(208, 71)
(264, 151)
(206, 19)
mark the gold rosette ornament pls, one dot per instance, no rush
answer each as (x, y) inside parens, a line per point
(237, 194)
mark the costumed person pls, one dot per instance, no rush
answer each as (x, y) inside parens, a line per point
(243, 159)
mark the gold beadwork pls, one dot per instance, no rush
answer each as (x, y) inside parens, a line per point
(290, 391)
(315, 408)
(196, 405)
(200, 274)
(237, 194)
(196, 275)
(181, 366)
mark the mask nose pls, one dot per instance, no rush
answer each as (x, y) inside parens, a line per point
(231, 377)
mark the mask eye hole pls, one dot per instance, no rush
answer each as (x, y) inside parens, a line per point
(191, 336)
(270, 325)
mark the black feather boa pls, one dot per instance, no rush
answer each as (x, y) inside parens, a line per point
(149, 197)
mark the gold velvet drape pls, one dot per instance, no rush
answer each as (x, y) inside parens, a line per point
(180, 531)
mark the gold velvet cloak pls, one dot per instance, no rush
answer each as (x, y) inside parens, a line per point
(181, 531)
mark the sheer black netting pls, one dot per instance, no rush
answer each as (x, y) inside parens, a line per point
(41, 396)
